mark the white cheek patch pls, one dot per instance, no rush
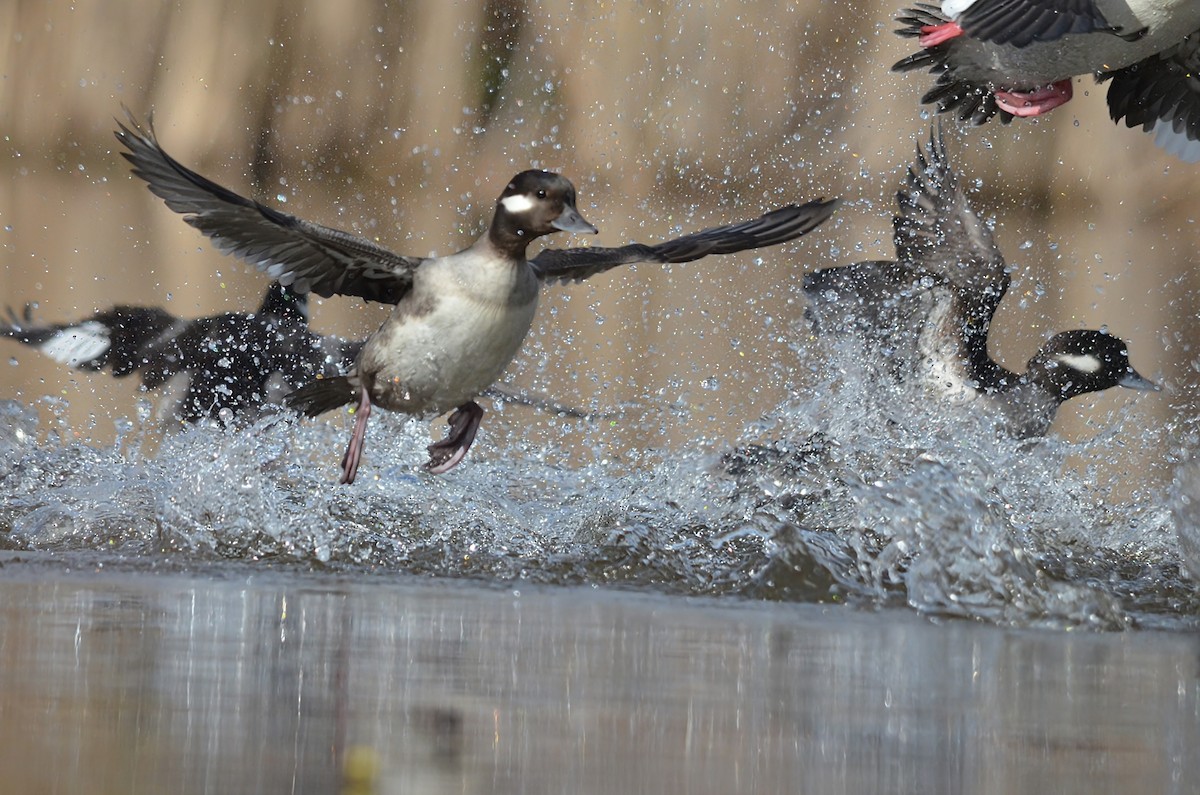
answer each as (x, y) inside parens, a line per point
(955, 8)
(517, 203)
(1082, 363)
(77, 344)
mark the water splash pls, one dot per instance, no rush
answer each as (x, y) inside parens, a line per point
(850, 493)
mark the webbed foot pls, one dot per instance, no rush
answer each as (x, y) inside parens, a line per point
(446, 454)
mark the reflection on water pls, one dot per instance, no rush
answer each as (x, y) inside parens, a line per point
(278, 682)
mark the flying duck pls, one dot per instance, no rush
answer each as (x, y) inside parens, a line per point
(1012, 58)
(459, 319)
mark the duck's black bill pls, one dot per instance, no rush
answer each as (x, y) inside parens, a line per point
(569, 220)
(1135, 380)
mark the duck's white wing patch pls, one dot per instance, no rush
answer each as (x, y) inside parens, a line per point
(954, 8)
(1176, 142)
(517, 203)
(1082, 362)
(76, 345)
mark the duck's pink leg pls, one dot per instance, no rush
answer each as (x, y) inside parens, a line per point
(446, 454)
(933, 35)
(357, 438)
(1037, 101)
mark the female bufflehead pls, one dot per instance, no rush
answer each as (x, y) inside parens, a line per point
(459, 319)
(233, 362)
(928, 314)
(1017, 58)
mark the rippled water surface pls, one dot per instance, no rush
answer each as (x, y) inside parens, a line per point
(239, 679)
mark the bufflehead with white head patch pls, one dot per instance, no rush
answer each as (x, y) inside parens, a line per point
(459, 319)
(234, 363)
(231, 366)
(928, 314)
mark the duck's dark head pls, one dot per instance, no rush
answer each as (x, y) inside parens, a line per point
(1074, 363)
(535, 203)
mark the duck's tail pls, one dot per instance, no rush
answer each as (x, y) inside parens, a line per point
(322, 395)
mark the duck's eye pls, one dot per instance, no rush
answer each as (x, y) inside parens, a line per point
(541, 194)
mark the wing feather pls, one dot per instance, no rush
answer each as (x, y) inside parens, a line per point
(305, 256)
(938, 232)
(773, 228)
(1022, 22)
(1162, 94)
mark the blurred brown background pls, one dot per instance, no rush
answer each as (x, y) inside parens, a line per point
(403, 121)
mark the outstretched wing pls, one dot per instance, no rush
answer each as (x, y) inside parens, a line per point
(301, 255)
(926, 316)
(937, 232)
(1162, 94)
(971, 100)
(1022, 22)
(877, 300)
(777, 226)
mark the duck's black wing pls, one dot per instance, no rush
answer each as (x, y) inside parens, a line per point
(879, 301)
(937, 232)
(927, 315)
(777, 226)
(302, 255)
(1162, 93)
(1022, 22)
(971, 101)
